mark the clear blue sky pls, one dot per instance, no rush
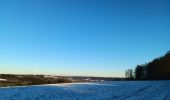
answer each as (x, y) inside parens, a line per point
(81, 37)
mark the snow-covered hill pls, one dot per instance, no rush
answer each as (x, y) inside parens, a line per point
(116, 90)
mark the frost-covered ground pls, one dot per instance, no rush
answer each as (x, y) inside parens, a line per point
(116, 90)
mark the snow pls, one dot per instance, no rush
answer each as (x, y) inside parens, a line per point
(2, 79)
(115, 90)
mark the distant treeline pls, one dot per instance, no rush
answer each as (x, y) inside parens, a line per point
(158, 69)
(20, 80)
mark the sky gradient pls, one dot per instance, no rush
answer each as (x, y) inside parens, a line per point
(81, 37)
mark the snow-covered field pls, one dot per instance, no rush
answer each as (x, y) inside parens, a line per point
(116, 90)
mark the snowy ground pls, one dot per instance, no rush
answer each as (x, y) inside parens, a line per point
(116, 90)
